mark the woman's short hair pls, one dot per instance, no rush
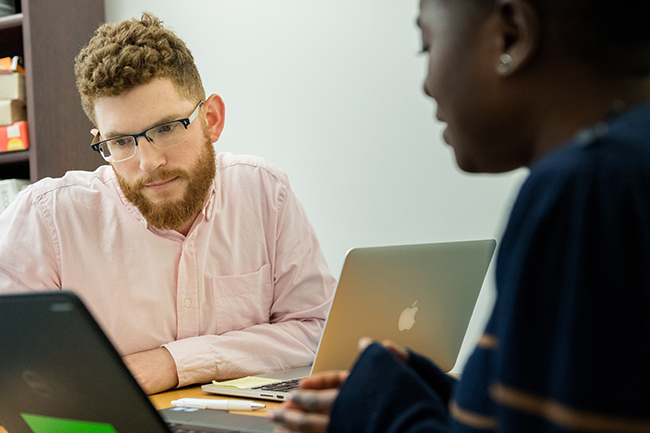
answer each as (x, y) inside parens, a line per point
(612, 35)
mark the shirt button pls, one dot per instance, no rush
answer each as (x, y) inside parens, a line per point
(187, 302)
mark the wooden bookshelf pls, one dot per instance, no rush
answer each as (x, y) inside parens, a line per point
(48, 35)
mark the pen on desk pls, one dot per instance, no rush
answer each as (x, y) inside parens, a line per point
(213, 403)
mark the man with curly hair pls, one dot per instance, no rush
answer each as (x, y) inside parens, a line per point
(198, 265)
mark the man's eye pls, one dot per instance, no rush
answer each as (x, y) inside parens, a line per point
(119, 142)
(165, 129)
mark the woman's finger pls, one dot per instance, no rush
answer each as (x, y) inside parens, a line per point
(302, 422)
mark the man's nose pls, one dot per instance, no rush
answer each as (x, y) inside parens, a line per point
(151, 157)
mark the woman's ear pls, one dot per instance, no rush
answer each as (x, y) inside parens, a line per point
(519, 28)
(215, 115)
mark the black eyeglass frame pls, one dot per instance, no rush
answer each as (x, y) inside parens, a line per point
(185, 122)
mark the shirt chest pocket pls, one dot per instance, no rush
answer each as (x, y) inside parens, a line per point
(242, 301)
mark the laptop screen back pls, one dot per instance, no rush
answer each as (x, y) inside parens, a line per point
(419, 296)
(57, 368)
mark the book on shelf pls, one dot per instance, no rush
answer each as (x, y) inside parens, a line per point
(9, 190)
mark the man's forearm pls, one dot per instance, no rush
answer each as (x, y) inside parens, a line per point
(155, 370)
(260, 348)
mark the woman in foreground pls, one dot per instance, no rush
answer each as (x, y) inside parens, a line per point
(561, 87)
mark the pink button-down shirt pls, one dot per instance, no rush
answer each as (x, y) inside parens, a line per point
(246, 291)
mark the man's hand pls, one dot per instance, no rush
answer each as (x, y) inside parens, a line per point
(155, 370)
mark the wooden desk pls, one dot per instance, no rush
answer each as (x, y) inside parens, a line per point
(164, 400)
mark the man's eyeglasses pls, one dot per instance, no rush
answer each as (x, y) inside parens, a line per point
(163, 136)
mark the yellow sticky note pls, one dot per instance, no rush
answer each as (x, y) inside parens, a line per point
(246, 382)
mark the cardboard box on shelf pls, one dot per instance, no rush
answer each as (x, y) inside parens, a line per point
(9, 189)
(12, 86)
(14, 137)
(12, 111)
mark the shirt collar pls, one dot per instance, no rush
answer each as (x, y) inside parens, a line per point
(208, 207)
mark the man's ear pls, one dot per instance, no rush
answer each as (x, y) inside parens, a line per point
(215, 115)
(519, 34)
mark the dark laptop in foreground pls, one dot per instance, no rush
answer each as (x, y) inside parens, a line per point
(419, 296)
(60, 373)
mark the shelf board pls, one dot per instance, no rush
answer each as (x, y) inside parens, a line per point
(14, 156)
(11, 21)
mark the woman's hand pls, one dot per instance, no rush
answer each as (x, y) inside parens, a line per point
(392, 347)
(308, 410)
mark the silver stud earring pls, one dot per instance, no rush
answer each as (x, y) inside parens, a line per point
(505, 62)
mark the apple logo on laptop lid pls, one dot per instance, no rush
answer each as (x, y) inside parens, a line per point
(407, 318)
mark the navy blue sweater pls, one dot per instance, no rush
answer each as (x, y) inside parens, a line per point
(567, 347)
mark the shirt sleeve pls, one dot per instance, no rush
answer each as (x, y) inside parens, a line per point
(385, 394)
(302, 290)
(28, 253)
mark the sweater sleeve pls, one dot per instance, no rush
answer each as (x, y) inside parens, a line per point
(439, 381)
(385, 394)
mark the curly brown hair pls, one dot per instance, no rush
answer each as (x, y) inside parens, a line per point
(133, 52)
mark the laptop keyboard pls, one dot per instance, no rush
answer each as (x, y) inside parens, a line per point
(184, 428)
(285, 386)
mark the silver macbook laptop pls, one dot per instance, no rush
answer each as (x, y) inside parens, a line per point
(60, 373)
(419, 296)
